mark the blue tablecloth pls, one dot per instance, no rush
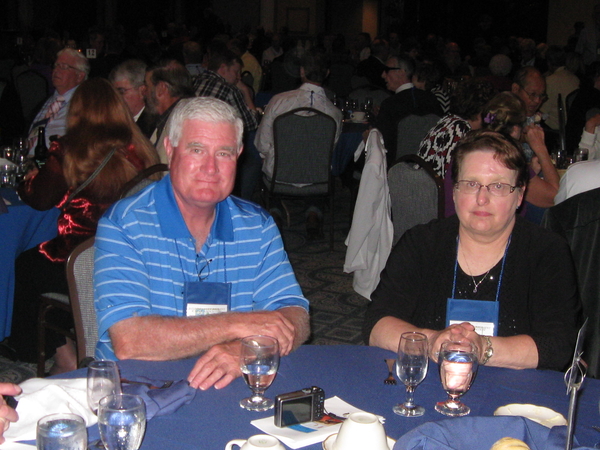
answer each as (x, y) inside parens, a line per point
(20, 229)
(355, 374)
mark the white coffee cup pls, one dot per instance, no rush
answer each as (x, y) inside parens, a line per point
(359, 431)
(256, 442)
(357, 116)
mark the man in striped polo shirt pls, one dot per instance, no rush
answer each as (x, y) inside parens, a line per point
(185, 246)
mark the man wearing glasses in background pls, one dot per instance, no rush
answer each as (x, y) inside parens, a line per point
(407, 100)
(530, 86)
(128, 79)
(70, 69)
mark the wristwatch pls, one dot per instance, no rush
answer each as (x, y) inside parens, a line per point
(489, 351)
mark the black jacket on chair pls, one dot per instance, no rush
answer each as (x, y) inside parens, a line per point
(578, 220)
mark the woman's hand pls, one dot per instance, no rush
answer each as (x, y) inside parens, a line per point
(456, 332)
(534, 136)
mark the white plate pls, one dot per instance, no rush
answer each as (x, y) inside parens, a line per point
(540, 414)
(330, 441)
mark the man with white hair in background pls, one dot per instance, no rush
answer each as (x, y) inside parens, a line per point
(184, 269)
(71, 68)
(128, 79)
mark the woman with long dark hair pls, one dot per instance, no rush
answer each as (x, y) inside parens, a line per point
(100, 133)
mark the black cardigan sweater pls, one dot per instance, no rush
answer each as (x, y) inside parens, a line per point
(538, 296)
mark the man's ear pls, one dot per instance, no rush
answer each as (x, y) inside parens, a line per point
(169, 150)
(302, 72)
(515, 88)
(161, 89)
(222, 68)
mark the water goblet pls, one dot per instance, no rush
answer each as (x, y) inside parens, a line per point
(458, 363)
(61, 431)
(122, 421)
(259, 361)
(411, 368)
(102, 380)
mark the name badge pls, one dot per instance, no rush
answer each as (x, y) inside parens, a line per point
(203, 298)
(483, 315)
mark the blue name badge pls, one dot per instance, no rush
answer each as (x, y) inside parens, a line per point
(483, 315)
(203, 298)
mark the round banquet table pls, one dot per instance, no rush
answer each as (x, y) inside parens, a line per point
(355, 374)
(21, 228)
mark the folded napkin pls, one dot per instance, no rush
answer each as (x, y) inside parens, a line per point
(162, 401)
(480, 433)
(3, 203)
(43, 396)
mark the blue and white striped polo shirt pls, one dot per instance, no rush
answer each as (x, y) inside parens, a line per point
(145, 253)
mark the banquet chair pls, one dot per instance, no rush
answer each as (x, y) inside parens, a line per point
(303, 143)
(79, 302)
(32, 89)
(411, 131)
(146, 177)
(577, 219)
(416, 194)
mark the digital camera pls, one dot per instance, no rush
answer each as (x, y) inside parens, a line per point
(305, 405)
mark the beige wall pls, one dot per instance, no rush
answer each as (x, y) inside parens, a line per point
(562, 14)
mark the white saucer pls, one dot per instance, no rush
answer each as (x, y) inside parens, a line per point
(540, 414)
(330, 441)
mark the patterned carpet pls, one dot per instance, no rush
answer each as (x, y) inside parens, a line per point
(336, 310)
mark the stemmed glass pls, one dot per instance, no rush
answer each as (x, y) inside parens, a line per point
(411, 369)
(458, 363)
(259, 361)
(122, 421)
(102, 380)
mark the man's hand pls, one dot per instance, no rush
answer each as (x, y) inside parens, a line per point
(267, 323)
(219, 366)
(7, 414)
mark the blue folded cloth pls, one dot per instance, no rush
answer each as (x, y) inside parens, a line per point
(3, 208)
(480, 433)
(163, 401)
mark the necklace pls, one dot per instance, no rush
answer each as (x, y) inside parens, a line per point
(475, 283)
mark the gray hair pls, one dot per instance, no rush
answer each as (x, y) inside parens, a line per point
(205, 109)
(132, 70)
(82, 63)
(500, 65)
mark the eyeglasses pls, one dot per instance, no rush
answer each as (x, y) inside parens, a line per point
(123, 91)
(64, 66)
(534, 97)
(389, 69)
(473, 187)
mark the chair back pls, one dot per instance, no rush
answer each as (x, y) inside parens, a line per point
(80, 277)
(143, 179)
(303, 141)
(411, 131)
(32, 88)
(416, 193)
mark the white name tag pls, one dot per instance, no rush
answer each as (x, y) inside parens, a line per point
(199, 309)
(481, 328)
